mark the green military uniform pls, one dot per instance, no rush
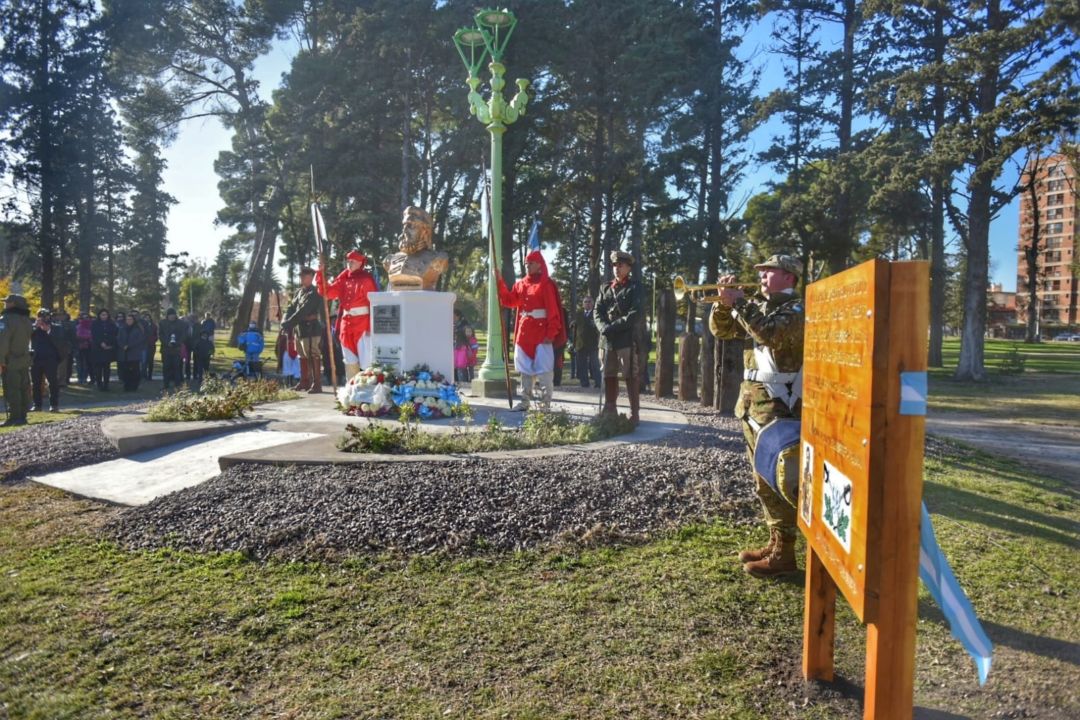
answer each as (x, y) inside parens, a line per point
(15, 331)
(619, 317)
(772, 328)
(306, 314)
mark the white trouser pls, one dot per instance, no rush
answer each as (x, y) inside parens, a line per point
(544, 361)
(360, 355)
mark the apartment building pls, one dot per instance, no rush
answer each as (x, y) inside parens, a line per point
(1056, 259)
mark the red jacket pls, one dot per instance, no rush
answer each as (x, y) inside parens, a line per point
(351, 289)
(529, 294)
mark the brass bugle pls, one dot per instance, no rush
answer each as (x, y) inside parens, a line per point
(699, 293)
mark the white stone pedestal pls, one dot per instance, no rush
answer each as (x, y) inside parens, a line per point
(413, 327)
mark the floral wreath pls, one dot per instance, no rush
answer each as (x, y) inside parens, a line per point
(380, 390)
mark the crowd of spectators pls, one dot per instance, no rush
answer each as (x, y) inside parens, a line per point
(89, 346)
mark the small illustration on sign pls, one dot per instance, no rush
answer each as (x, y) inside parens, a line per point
(836, 504)
(806, 484)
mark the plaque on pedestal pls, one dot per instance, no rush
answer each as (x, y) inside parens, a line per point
(413, 327)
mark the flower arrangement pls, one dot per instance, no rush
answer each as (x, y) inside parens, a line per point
(378, 391)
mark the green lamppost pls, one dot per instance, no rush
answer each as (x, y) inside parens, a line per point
(475, 44)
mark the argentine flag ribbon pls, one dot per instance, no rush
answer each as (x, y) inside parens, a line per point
(939, 580)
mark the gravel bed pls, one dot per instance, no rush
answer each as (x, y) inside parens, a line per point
(52, 447)
(457, 507)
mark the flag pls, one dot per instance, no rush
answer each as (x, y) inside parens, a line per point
(320, 228)
(485, 212)
(534, 235)
(939, 580)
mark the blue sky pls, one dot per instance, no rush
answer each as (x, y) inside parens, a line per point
(190, 176)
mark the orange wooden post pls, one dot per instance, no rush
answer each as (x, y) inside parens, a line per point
(890, 636)
(860, 483)
(819, 620)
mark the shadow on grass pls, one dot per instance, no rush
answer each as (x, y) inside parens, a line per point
(964, 505)
(1048, 647)
(925, 713)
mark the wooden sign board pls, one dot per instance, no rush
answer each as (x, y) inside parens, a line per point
(861, 468)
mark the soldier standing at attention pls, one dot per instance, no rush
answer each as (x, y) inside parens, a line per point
(350, 288)
(306, 314)
(15, 331)
(771, 323)
(619, 318)
(539, 323)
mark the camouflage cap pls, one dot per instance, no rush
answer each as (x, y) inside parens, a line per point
(618, 256)
(17, 301)
(783, 262)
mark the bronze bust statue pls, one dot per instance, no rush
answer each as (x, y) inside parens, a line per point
(417, 265)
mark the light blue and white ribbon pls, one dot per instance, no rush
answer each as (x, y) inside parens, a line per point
(939, 579)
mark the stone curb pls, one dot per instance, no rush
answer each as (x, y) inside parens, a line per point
(130, 435)
(323, 450)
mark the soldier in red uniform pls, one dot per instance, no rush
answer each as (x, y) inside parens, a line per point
(539, 323)
(351, 289)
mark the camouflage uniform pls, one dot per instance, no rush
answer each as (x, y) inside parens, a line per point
(772, 328)
(15, 331)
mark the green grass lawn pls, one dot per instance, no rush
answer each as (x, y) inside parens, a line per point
(666, 628)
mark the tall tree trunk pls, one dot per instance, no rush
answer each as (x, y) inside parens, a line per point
(938, 271)
(1031, 253)
(708, 366)
(46, 239)
(665, 345)
(265, 237)
(406, 147)
(596, 219)
(731, 372)
(977, 243)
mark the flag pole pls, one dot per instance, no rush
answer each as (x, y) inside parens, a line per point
(320, 247)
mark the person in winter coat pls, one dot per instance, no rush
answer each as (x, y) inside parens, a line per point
(204, 350)
(131, 341)
(539, 323)
(102, 348)
(46, 362)
(84, 367)
(150, 328)
(306, 317)
(15, 331)
(172, 333)
(619, 319)
(253, 344)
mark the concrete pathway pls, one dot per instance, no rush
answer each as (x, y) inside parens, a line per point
(1052, 450)
(139, 478)
(160, 458)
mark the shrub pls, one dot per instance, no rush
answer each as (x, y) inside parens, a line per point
(1012, 363)
(538, 430)
(217, 400)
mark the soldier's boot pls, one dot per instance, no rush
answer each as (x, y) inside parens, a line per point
(316, 375)
(635, 400)
(748, 556)
(305, 376)
(546, 381)
(350, 371)
(526, 394)
(611, 395)
(781, 561)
